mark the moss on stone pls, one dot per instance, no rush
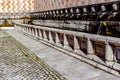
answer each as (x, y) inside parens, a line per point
(17, 54)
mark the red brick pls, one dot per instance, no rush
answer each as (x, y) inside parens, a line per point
(41, 5)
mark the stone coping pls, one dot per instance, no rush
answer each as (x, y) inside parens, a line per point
(107, 66)
(94, 37)
(6, 27)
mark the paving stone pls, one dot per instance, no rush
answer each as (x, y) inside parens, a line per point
(18, 63)
(69, 67)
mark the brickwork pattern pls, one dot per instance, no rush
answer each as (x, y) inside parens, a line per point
(16, 5)
(42, 5)
(19, 63)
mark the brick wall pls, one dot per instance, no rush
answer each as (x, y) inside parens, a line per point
(13, 6)
(41, 5)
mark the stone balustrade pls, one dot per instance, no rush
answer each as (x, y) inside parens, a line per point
(101, 49)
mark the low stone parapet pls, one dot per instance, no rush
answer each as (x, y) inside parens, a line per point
(100, 51)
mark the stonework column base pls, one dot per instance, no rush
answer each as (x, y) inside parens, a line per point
(91, 56)
(110, 63)
(108, 53)
(68, 48)
(46, 40)
(51, 41)
(59, 44)
(77, 51)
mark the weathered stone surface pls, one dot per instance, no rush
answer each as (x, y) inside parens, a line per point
(19, 63)
(71, 68)
(41, 5)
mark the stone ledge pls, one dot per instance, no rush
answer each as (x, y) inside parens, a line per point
(6, 27)
(93, 37)
(113, 70)
(117, 66)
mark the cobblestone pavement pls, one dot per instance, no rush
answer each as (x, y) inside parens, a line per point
(69, 67)
(19, 63)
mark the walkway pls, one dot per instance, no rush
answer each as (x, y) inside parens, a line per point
(69, 67)
(19, 63)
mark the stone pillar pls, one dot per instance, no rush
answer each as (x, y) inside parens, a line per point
(45, 36)
(27, 30)
(66, 44)
(108, 53)
(50, 37)
(36, 33)
(19, 28)
(76, 46)
(40, 34)
(90, 49)
(32, 32)
(23, 29)
(16, 27)
(57, 40)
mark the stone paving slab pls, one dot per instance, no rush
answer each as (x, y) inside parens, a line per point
(69, 67)
(19, 63)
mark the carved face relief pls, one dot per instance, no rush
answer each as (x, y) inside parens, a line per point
(47, 13)
(57, 12)
(71, 10)
(66, 11)
(61, 12)
(103, 8)
(84, 10)
(53, 12)
(115, 7)
(93, 9)
(50, 12)
(77, 11)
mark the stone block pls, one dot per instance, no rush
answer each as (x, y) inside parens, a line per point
(116, 66)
